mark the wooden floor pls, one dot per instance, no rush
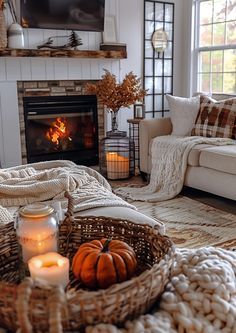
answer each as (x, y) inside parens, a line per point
(215, 201)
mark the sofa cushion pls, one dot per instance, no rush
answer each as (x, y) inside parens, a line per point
(221, 158)
(193, 157)
(225, 155)
(183, 113)
(216, 119)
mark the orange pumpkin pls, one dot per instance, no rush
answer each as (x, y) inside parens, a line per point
(101, 263)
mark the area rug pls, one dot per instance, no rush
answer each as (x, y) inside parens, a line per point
(192, 224)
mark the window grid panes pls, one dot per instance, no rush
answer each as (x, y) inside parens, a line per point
(216, 45)
(158, 66)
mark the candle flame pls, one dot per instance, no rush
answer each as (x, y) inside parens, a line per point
(38, 263)
(60, 262)
(49, 260)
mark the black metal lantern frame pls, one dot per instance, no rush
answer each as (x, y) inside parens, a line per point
(139, 111)
(117, 159)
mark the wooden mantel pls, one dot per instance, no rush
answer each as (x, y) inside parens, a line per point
(62, 53)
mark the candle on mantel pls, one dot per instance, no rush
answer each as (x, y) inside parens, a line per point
(36, 230)
(117, 166)
(50, 267)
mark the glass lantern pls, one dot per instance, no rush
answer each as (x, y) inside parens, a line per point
(116, 156)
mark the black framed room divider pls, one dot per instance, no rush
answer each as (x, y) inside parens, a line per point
(158, 64)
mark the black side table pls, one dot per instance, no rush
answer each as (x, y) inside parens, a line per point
(134, 135)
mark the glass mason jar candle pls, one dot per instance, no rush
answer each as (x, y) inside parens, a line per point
(37, 230)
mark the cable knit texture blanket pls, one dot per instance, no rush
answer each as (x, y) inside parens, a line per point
(49, 180)
(169, 164)
(199, 298)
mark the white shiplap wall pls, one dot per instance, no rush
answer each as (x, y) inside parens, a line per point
(58, 68)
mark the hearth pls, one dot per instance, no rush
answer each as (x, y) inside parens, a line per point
(61, 127)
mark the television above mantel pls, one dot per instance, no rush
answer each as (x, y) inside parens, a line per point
(83, 15)
(62, 53)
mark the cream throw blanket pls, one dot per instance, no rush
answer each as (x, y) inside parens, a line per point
(49, 180)
(169, 164)
(199, 298)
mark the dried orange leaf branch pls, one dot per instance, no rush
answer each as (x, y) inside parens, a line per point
(114, 95)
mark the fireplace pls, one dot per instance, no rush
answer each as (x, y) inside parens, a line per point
(61, 127)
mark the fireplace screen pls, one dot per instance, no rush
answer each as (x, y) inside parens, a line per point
(62, 127)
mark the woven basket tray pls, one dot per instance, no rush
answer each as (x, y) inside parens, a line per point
(35, 308)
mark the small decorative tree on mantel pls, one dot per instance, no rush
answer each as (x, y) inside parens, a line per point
(114, 95)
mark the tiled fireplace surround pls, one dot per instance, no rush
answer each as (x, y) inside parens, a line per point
(52, 88)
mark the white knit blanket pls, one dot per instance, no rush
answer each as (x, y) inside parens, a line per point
(199, 298)
(49, 180)
(169, 164)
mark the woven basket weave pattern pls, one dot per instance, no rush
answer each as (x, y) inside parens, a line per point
(77, 307)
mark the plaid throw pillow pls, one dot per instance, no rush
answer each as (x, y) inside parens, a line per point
(216, 119)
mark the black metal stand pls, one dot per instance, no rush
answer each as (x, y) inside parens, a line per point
(134, 135)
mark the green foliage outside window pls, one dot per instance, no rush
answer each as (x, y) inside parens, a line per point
(217, 68)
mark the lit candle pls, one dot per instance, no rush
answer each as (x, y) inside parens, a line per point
(50, 267)
(36, 230)
(117, 166)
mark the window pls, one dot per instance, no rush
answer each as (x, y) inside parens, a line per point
(158, 66)
(215, 46)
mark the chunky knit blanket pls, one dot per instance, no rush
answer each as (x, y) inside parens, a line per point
(169, 164)
(49, 180)
(199, 298)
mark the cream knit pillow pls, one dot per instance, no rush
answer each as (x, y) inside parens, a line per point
(183, 113)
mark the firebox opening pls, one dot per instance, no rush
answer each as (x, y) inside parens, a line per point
(61, 127)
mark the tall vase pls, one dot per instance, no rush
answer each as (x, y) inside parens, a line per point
(3, 30)
(114, 126)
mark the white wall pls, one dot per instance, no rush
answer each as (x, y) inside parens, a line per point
(10, 131)
(129, 19)
(187, 49)
(179, 41)
(130, 31)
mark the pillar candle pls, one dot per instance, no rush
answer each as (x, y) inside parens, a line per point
(50, 267)
(117, 166)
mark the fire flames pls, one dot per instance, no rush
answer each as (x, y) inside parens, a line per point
(58, 131)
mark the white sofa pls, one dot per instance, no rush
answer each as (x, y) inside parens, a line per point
(210, 168)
